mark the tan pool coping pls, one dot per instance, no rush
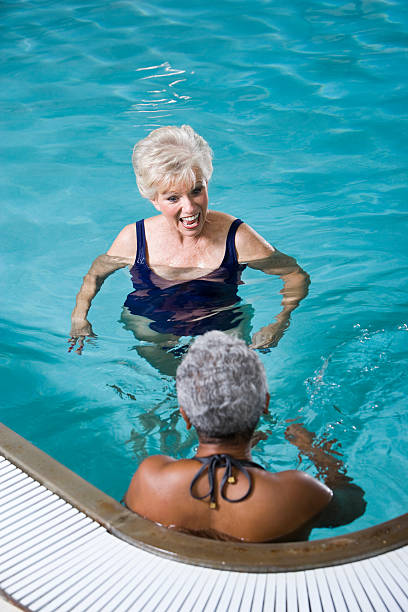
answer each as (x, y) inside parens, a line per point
(235, 556)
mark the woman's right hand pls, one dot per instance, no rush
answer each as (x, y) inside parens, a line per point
(103, 266)
(299, 436)
(80, 329)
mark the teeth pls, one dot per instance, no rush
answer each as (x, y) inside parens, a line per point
(190, 219)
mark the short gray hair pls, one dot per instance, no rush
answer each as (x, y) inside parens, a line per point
(171, 155)
(221, 385)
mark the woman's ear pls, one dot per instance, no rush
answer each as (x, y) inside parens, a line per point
(185, 417)
(267, 400)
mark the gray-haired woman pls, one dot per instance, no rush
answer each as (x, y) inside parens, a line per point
(187, 260)
(221, 492)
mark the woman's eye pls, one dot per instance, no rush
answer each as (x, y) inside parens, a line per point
(172, 199)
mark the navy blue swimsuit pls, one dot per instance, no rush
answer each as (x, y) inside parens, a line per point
(187, 308)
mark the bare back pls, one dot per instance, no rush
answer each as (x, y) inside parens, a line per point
(279, 506)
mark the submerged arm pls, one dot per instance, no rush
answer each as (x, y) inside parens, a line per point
(121, 253)
(103, 266)
(257, 253)
(295, 287)
(348, 501)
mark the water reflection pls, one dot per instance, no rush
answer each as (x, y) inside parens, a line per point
(164, 351)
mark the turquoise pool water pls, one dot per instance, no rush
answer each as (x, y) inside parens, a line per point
(305, 106)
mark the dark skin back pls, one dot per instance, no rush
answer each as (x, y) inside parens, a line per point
(280, 506)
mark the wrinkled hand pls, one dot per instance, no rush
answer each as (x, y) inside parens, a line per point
(269, 335)
(81, 332)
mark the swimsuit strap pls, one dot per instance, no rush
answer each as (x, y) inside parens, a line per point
(230, 257)
(211, 463)
(141, 242)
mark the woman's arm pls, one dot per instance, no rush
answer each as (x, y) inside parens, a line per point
(348, 501)
(103, 266)
(253, 250)
(121, 254)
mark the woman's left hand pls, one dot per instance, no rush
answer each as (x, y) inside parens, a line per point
(269, 335)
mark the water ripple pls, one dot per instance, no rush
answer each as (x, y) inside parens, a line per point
(305, 105)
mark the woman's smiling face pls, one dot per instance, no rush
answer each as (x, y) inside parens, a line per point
(184, 208)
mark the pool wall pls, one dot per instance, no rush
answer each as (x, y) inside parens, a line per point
(232, 556)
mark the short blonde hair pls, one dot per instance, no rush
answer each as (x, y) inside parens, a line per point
(171, 155)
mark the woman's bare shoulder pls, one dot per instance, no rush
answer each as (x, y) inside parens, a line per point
(288, 501)
(218, 222)
(250, 245)
(220, 217)
(125, 243)
(304, 488)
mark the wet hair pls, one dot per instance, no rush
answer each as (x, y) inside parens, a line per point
(221, 385)
(168, 156)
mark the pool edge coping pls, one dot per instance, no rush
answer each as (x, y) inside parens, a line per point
(171, 544)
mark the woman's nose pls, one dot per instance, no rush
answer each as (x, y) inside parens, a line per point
(187, 203)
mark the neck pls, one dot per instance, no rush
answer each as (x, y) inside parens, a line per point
(237, 448)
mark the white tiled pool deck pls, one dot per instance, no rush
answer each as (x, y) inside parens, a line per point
(54, 557)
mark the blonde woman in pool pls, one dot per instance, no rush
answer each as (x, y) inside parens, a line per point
(186, 261)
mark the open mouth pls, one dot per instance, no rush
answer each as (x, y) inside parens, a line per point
(190, 222)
